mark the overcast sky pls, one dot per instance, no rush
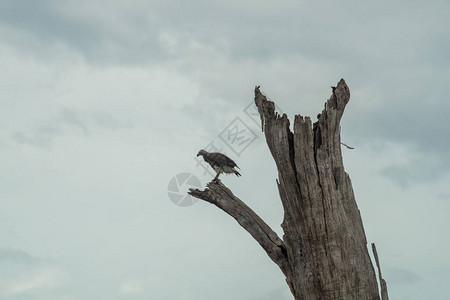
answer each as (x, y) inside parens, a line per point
(103, 103)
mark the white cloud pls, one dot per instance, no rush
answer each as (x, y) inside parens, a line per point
(44, 277)
(136, 287)
(22, 274)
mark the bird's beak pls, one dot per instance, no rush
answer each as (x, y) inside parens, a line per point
(198, 154)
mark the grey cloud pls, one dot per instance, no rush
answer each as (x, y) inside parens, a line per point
(405, 175)
(108, 121)
(45, 131)
(91, 119)
(248, 30)
(420, 123)
(42, 20)
(443, 196)
(74, 118)
(16, 256)
(41, 141)
(421, 169)
(48, 23)
(420, 120)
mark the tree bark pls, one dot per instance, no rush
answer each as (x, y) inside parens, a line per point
(323, 253)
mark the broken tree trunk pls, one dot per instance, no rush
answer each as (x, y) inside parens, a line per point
(323, 253)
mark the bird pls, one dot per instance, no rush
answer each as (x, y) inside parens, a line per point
(220, 163)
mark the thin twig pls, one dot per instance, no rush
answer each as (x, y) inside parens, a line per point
(348, 147)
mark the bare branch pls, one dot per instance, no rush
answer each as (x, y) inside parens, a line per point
(384, 293)
(219, 195)
(348, 147)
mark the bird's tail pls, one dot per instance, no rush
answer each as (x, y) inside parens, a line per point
(236, 172)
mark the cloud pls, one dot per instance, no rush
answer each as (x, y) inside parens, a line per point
(136, 287)
(38, 140)
(423, 167)
(73, 118)
(443, 196)
(44, 277)
(419, 126)
(108, 121)
(68, 121)
(100, 33)
(16, 256)
(132, 287)
(23, 274)
(155, 31)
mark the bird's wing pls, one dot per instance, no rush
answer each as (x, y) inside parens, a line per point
(222, 159)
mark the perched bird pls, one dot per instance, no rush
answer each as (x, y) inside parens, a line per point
(219, 162)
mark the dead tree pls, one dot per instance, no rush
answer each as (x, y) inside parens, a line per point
(323, 253)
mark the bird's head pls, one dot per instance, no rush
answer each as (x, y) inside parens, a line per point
(201, 152)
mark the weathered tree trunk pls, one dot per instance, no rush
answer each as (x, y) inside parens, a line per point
(323, 253)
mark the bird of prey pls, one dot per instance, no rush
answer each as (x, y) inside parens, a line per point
(220, 163)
